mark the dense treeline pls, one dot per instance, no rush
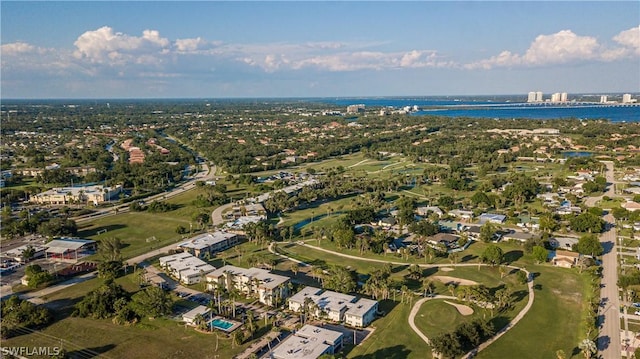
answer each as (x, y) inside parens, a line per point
(18, 314)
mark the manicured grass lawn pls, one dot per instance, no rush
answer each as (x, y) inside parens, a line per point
(436, 317)
(554, 322)
(160, 337)
(318, 258)
(134, 228)
(392, 338)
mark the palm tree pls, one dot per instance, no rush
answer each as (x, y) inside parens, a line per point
(200, 322)
(318, 274)
(452, 288)
(219, 288)
(588, 348)
(236, 338)
(250, 324)
(295, 267)
(233, 295)
(306, 307)
(453, 257)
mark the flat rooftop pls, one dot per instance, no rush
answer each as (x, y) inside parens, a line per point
(267, 279)
(309, 342)
(334, 301)
(206, 240)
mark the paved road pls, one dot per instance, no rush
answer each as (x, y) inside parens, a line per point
(608, 342)
(35, 297)
(216, 215)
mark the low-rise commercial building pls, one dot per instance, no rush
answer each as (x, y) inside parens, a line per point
(68, 195)
(69, 249)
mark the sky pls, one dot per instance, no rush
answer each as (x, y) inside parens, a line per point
(213, 49)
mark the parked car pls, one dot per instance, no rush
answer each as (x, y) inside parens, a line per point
(637, 312)
(637, 305)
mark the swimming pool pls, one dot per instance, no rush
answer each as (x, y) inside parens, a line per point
(222, 324)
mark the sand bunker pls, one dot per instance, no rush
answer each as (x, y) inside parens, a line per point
(453, 280)
(462, 309)
(446, 269)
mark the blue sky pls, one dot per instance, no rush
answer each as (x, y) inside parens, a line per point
(307, 49)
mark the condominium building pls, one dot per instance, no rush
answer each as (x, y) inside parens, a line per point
(210, 243)
(270, 288)
(185, 267)
(337, 307)
(626, 98)
(309, 342)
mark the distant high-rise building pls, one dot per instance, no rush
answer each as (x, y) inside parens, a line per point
(555, 97)
(626, 98)
(531, 97)
(539, 96)
(603, 99)
(359, 108)
(563, 97)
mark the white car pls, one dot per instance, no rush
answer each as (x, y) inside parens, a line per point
(637, 312)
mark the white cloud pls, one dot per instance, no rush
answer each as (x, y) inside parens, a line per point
(630, 39)
(106, 46)
(189, 45)
(16, 48)
(565, 47)
(348, 61)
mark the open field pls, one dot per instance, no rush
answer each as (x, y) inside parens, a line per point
(135, 228)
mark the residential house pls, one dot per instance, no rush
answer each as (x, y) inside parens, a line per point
(464, 215)
(425, 211)
(450, 241)
(565, 259)
(565, 243)
(387, 222)
(631, 206)
(335, 306)
(269, 287)
(492, 217)
(518, 236)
